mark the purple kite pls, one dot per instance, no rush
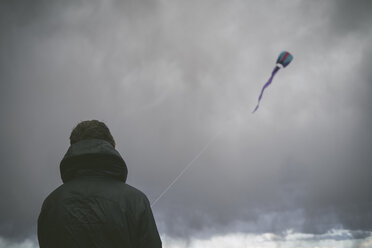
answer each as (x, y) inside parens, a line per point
(283, 60)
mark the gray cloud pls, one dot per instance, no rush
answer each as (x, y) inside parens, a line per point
(351, 17)
(168, 76)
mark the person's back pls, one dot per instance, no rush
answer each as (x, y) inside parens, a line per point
(95, 207)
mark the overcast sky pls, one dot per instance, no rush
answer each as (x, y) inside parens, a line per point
(169, 76)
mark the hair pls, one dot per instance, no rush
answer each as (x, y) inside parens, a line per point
(91, 130)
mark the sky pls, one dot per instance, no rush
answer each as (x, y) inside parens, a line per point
(172, 77)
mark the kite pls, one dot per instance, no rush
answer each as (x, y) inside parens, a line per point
(283, 60)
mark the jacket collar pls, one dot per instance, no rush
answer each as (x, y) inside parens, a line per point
(92, 157)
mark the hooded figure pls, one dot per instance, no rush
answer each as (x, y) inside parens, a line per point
(94, 207)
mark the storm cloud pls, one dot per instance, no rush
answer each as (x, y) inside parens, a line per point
(167, 77)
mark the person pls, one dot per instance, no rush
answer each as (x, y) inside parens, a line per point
(94, 207)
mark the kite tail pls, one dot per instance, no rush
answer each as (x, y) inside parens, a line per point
(276, 69)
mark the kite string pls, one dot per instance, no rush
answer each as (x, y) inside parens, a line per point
(186, 168)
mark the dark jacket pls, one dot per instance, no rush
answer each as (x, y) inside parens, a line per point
(95, 207)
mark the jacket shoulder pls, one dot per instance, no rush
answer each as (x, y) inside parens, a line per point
(112, 189)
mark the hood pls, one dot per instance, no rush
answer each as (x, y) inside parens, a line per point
(92, 157)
